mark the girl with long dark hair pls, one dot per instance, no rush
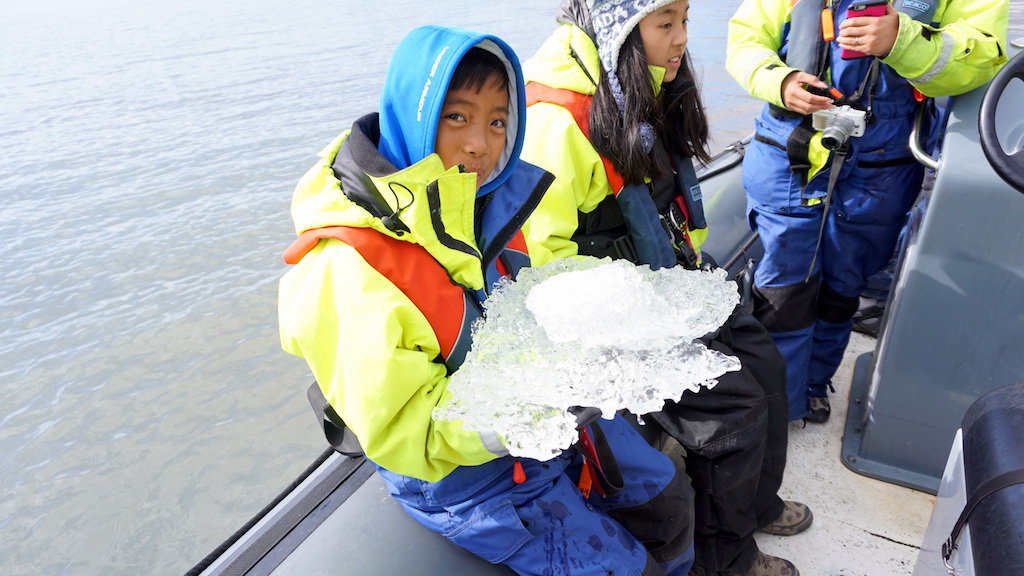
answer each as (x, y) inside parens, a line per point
(615, 114)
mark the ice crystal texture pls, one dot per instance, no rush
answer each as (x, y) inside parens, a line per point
(587, 332)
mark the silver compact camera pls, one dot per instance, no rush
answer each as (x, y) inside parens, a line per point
(838, 125)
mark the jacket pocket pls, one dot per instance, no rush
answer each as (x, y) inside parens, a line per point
(766, 174)
(493, 534)
(880, 189)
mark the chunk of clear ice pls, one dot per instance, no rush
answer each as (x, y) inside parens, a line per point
(587, 332)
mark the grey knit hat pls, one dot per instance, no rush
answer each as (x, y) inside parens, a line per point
(614, 20)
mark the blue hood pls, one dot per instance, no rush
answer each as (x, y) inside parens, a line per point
(423, 65)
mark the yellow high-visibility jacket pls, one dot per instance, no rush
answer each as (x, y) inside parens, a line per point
(963, 52)
(554, 141)
(374, 353)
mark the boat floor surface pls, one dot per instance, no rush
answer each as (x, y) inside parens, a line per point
(862, 526)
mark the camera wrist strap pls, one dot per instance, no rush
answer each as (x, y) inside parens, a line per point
(838, 157)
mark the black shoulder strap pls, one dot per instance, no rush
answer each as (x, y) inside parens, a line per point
(991, 486)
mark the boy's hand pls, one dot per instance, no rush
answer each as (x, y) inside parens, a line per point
(796, 97)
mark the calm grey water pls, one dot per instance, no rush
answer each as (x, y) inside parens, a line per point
(148, 149)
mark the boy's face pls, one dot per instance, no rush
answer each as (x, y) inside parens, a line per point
(664, 37)
(471, 131)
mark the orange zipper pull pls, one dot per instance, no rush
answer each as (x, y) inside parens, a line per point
(518, 474)
(828, 28)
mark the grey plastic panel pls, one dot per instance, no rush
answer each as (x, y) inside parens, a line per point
(370, 535)
(954, 328)
(341, 521)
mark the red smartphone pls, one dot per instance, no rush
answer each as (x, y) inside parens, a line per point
(858, 9)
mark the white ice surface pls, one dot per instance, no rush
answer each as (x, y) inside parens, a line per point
(587, 332)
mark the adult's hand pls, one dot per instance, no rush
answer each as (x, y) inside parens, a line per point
(872, 35)
(796, 97)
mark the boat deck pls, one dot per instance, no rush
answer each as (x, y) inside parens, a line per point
(862, 526)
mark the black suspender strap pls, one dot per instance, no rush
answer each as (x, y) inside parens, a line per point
(991, 486)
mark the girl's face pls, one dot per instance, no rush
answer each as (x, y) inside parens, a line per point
(472, 129)
(664, 36)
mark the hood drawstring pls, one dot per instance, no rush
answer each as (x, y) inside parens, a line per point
(391, 221)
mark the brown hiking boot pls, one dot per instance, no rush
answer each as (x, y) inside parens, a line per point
(819, 411)
(795, 518)
(765, 565)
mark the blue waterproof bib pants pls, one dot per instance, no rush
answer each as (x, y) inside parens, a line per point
(545, 526)
(810, 320)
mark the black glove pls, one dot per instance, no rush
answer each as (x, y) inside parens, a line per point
(707, 262)
(584, 415)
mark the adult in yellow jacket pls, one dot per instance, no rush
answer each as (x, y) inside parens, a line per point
(405, 225)
(829, 205)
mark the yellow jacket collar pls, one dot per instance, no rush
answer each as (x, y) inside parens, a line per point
(320, 202)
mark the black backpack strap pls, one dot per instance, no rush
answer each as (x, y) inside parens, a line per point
(593, 444)
(798, 149)
(991, 486)
(337, 432)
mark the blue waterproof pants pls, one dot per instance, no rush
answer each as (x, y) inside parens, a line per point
(545, 526)
(810, 320)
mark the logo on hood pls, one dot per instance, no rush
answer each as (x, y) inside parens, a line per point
(426, 87)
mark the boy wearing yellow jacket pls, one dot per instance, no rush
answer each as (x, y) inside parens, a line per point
(405, 225)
